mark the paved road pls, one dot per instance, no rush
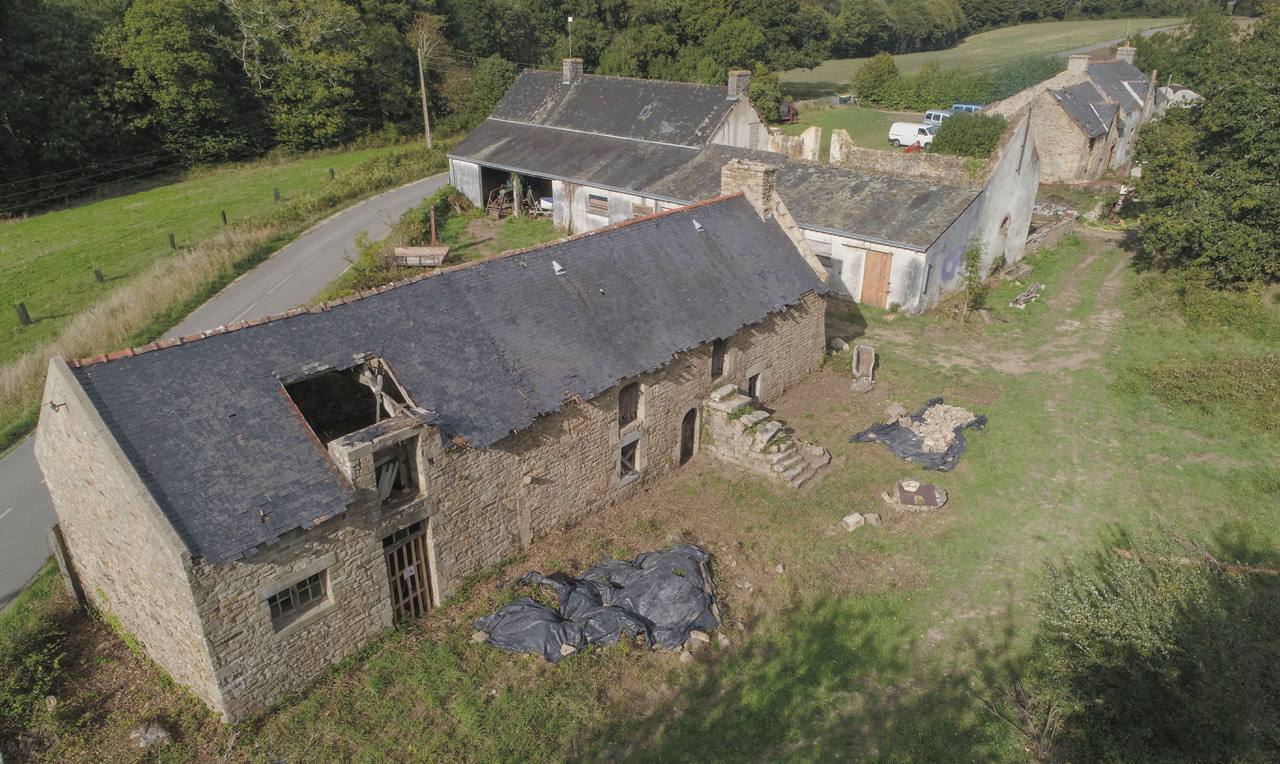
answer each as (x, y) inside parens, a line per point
(298, 272)
(291, 277)
(1108, 43)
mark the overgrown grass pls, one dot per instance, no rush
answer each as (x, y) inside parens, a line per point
(31, 648)
(869, 128)
(164, 288)
(979, 52)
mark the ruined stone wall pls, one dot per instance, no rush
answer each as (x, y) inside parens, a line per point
(936, 168)
(1061, 144)
(480, 506)
(131, 563)
(1050, 236)
(804, 147)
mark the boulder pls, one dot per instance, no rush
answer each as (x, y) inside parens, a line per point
(894, 413)
(872, 519)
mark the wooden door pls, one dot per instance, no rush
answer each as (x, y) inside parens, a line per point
(410, 580)
(875, 279)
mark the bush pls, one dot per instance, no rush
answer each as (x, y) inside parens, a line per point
(1163, 660)
(874, 78)
(969, 135)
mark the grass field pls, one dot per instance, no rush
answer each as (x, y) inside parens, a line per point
(979, 52)
(869, 128)
(48, 261)
(871, 646)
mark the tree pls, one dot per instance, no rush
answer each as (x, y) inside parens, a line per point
(1211, 173)
(873, 78)
(490, 81)
(189, 91)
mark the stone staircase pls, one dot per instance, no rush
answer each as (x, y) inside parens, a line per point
(738, 433)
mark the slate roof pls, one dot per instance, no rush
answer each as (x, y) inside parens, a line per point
(1089, 108)
(678, 113)
(1110, 78)
(890, 210)
(488, 346)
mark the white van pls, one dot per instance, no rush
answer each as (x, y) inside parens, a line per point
(907, 133)
(936, 116)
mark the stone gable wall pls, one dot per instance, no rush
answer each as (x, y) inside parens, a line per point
(130, 562)
(480, 506)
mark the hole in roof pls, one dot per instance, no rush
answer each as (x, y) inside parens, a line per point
(337, 402)
(645, 111)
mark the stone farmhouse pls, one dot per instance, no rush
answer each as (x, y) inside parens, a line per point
(255, 502)
(607, 149)
(1086, 119)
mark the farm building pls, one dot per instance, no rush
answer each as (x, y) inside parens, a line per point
(885, 239)
(1086, 119)
(258, 501)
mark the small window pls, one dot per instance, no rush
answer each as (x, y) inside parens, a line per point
(627, 464)
(641, 210)
(597, 204)
(628, 404)
(297, 599)
(717, 359)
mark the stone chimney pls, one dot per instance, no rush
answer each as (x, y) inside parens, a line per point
(1126, 53)
(572, 69)
(1078, 63)
(739, 83)
(1149, 103)
(756, 181)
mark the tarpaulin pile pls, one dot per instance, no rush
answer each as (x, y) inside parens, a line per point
(906, 443)
(662, 595)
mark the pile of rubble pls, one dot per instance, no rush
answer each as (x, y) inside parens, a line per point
(939, 426)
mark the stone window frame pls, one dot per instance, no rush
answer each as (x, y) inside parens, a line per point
(637, 416)
(719, 347)
(314, 610)
(597, 204)
(762, 383)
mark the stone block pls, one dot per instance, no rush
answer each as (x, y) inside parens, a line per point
(872, 519)
(853, 522)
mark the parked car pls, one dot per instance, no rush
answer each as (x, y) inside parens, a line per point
(935, 116)
(967, 108)
(907, 133)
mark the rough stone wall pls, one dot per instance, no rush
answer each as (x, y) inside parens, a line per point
(1051, 236)
(937, 168)
(797, 148)
(131, 563)
(480, 506)
(1061, 144)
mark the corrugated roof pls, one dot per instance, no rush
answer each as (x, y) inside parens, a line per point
(489, 347)
(678, 113)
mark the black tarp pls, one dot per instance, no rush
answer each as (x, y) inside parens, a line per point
(662, 595)
(907, 445)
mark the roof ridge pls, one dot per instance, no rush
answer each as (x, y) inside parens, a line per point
(324, 307)
(632, 79)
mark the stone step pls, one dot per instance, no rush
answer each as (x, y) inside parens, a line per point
(754, 418)
(782, 453)
(729, 405)
(787, 463)
(794, 471)
(766, 432)
(800, 479)
(721, 393)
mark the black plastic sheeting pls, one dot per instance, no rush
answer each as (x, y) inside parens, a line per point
(662, 595)
(907, 445)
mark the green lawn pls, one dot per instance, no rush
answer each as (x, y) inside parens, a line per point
(869, 128)
(979, 52)
(870, 646)
(48, 261)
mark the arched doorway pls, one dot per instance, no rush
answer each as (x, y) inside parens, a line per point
(688, 435)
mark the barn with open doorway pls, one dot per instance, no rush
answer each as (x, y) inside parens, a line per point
(257, 502)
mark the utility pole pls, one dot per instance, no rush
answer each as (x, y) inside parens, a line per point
(422, 83)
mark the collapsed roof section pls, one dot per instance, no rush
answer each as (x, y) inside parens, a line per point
(489, 346)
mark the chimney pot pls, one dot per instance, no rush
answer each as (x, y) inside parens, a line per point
(1127, 53)
(572, 69)
(1078, 63)
(739, 83)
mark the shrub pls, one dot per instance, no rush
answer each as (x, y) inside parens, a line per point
(969, 135)
(873, 79)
